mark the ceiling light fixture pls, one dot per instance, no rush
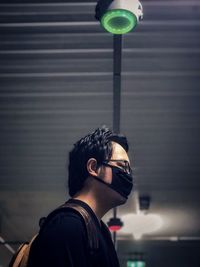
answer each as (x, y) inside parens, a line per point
(144, 203)
(119, 16)
(115, 224)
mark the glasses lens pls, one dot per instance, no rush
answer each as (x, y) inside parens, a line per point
(128, 168)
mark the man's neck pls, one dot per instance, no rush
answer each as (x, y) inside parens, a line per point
(93, 203)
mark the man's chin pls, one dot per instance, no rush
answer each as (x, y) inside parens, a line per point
(118, 199)
(121, 200)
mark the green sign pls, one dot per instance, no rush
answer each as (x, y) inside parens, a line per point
(133, 263)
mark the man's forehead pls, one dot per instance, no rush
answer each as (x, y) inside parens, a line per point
(119, 152)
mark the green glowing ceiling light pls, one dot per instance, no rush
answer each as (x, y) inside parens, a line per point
(118, 21)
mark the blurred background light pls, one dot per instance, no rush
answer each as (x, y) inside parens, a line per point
(139, 224)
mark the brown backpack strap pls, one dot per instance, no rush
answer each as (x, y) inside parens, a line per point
(24, 261)
(20, 258)
(90, 226)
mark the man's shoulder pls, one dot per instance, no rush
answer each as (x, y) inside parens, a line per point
(64, 214)
(60, 234)
(64, 220)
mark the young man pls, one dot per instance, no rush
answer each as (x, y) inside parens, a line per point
(99, 180)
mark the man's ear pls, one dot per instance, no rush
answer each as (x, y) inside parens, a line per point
(92, 167)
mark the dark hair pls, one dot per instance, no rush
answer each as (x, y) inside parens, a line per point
(94, 145)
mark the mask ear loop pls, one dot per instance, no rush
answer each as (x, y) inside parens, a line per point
(100, 180)
(106, 164)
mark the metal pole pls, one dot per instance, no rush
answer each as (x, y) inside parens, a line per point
(117, 53)
(115, 233)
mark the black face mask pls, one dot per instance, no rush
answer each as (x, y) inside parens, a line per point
(122, 182)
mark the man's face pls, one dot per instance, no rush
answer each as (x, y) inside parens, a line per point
(119, 155)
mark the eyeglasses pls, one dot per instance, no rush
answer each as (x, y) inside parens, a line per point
(122, 164)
